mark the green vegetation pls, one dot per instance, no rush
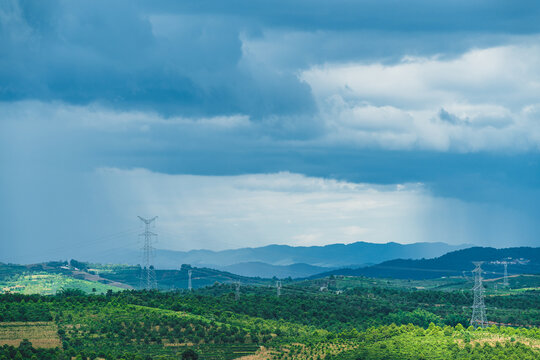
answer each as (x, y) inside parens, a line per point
(362, 307)
(517, 283)
(351, 318)
(49, 283)
(11, 311)
(124, 325)
(171, 279)
(47, 278)
(408, 342)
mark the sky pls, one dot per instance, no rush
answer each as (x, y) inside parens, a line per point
(248, 123)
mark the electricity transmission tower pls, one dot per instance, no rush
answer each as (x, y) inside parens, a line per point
(189, 279)
(148, 274)
(478, 318)
(237, 292)
(278, 288)
(505, 282)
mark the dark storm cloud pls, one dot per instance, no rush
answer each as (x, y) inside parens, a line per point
(127, 57)
(185, 57)
(393, 15)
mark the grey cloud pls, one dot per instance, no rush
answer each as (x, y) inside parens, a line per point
(84, 52)
(449, 117)
(393, 15)
(193, 57)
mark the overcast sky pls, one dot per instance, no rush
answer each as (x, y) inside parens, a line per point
(246, 123)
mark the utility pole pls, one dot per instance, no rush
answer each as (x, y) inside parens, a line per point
(237, 292)
(478, 318)
(505, 282)
(189, 279)
(148, 275)
(278, 288)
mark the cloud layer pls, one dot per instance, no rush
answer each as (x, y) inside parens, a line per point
(221, 212)
(429, 81)
(483, 100)
(295, 94)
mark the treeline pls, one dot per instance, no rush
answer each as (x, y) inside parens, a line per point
(358, 309)
(24, 311)
(26, 351)
(412, 343)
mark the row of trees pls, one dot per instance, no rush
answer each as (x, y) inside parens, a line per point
(32, 311)
(25, 351)
(359, 308)
(414, 343)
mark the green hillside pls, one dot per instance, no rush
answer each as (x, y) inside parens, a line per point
(45, 283)
(521, 260)
(47, 278)
(172, 279)
(76, 313)
(370, 319)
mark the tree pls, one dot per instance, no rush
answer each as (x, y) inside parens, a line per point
(190, 354)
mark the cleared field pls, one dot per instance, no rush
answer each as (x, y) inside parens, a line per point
(40, 334)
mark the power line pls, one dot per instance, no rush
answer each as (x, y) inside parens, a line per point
(455, 271)
(76, 245)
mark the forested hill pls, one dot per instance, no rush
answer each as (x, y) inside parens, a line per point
(178, 278)
(38, 278)
(522, 260)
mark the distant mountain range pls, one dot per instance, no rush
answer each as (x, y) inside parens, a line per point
(264, 270)
(336, 255)
(284, 261)
(522, 260)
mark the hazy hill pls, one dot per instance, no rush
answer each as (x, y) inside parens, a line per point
(260, 269)
(283, 260)
(335, 255)
(452, 264)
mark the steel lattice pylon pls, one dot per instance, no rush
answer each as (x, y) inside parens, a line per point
(278, 288)
(148, 274)
(237, 291)
(505, 282)
(478, 318)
